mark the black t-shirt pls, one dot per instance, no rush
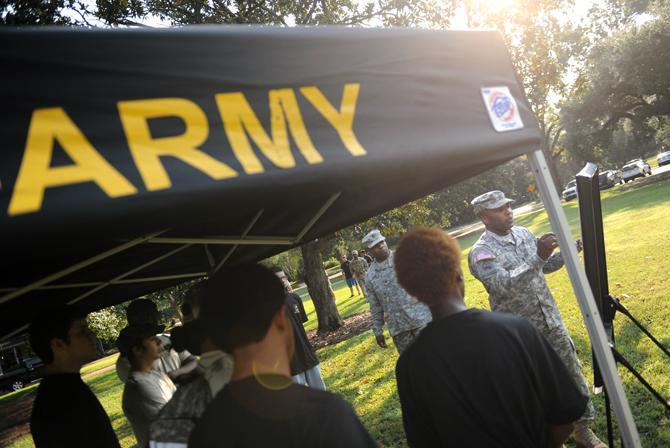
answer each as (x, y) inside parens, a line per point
(304, 357)
(346, 269)
(67, 414)
(271, 410)
(484, 379)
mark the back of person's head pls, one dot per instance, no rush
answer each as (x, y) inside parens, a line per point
(239, 304)
(428, 264)
(189, 336)
(190, 307)
(52, 324)
(142, 311)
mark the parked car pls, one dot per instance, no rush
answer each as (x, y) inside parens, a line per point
(635, 168)
(570, 191)
(663, 158)
(609, 178)
(18, 365)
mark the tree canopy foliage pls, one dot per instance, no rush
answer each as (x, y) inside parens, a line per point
(621, 104)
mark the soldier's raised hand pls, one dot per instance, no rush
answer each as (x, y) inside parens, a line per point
(546, 245)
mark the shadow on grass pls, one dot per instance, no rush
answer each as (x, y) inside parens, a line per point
(364, 375)
(650, 416)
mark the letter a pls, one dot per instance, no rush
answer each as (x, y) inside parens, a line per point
(147, 150)
(36, 174)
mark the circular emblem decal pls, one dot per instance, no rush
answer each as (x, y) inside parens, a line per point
(502, 106)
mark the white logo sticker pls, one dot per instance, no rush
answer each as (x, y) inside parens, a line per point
(502, 109)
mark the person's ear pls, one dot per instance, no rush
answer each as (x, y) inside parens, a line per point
(281, 319)
(137, 351)
(57, 345)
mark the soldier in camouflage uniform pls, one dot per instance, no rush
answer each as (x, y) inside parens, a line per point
(511, 262)
(405, 316)
(359, 266)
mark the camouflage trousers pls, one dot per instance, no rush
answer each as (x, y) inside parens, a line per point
(361, 283)
(404, 339)
(562, 343)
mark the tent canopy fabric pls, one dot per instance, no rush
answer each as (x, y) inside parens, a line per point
(133, 160)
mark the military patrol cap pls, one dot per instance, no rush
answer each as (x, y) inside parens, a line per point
(373, 238)
(490, 200)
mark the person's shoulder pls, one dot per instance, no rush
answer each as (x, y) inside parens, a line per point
(511, 323)
(332, 404)
(482, 242)
(481, 251)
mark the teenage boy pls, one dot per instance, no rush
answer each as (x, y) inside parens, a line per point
(65, 411)
(244, 312)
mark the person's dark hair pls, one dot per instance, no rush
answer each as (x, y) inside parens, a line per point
(52, 324)
(239, 304)
(426, 261)
(189, 337)
(133, 336)
(139, 309)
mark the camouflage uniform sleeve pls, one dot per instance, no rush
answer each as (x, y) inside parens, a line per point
(376, 311)
(487, 269)
(554, 263)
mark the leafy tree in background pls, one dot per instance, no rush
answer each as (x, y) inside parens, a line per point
(107, 323)
(545, 44)
(622, 106)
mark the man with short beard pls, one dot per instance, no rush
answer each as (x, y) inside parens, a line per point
(511, 262)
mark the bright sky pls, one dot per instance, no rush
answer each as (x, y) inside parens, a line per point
(578, 11)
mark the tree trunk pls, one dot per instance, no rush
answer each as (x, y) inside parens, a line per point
(319, 288)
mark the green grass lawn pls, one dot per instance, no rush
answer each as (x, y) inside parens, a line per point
(637, 237)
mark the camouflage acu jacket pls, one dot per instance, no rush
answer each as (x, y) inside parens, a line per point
(388, 301)
(513, 275)
(358, 267)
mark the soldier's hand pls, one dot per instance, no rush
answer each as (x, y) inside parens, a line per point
(546, 244)
(580, 245)
(381, 341)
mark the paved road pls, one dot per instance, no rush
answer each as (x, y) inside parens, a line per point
(660, 169)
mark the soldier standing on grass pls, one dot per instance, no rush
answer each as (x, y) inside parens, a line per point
(404, 315)
(511, 262)
(359, 266)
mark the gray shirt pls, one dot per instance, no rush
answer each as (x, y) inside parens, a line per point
(144, 395)
(513, 275)
(388, 301)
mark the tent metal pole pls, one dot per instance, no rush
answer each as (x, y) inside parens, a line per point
(15, 332)
(244, 235)
(78, 266)
(587, 304)
(316, 217)
(126, 274)
(228, 241)
(118, 282)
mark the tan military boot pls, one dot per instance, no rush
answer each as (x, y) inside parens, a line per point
(585, 438)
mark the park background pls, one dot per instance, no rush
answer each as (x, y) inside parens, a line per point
(596, 75)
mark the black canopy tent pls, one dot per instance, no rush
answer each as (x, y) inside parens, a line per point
(136, 159)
